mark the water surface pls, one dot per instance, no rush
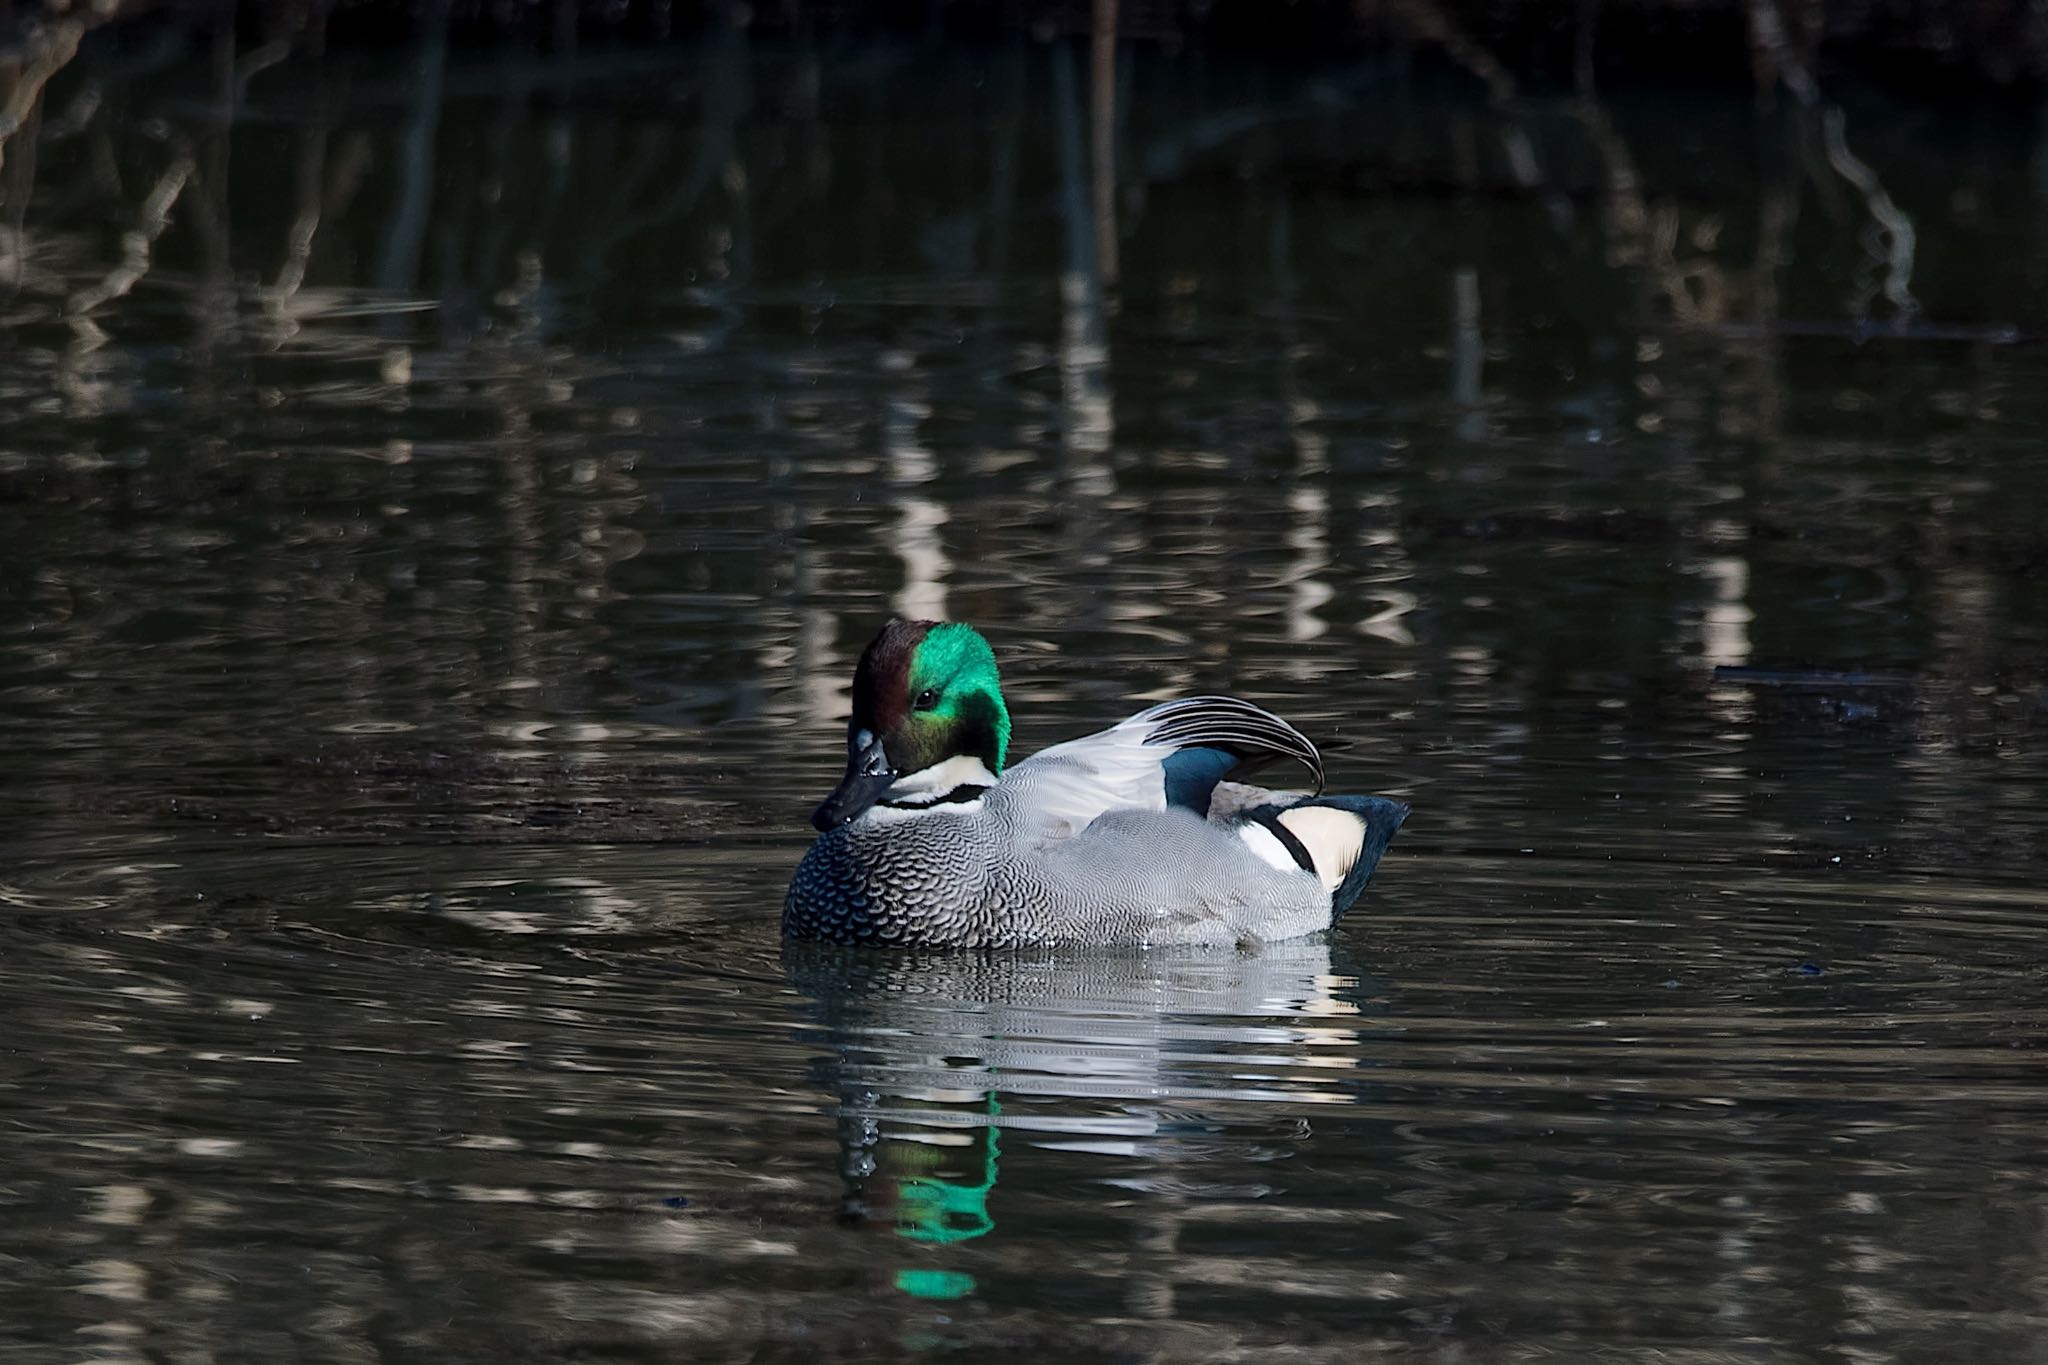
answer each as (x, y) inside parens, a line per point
(434, 544)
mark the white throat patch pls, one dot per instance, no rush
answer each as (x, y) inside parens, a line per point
(929, 786)
(925, 793)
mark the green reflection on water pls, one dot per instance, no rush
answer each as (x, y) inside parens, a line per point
(944, 1212)
(948, 1211)
(935, 1284)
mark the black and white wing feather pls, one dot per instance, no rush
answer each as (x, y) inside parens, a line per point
(1253, 735)
(1174, 753)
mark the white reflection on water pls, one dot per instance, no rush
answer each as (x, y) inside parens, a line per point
(1724, 621)
(1308, 533)
(1090, 426)
(920, 519)
(1309, 537)
(1130, 1028)
(1468, 355)
(1089, 429)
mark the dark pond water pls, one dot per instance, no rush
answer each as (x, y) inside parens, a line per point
(441, 500)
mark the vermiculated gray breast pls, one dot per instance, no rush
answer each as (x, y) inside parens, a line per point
(925, 884)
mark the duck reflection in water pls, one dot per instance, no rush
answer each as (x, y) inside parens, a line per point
(945, 1063)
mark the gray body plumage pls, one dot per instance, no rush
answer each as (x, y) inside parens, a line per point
(1125, 837)
(993, 878)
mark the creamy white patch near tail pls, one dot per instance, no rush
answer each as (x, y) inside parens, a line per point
(1333, 838)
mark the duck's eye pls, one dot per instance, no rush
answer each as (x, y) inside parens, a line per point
(926, 700)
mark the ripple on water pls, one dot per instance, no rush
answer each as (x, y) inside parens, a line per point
(1489, 1061)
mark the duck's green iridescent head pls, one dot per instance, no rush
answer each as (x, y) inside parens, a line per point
(925, 692)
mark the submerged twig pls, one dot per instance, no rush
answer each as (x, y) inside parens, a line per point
(51, 51)
(1102, 148)
(1427, 21)
(1895, 239)
(398, 261)
(135, 243)
(1894, 228)
(1771, 43)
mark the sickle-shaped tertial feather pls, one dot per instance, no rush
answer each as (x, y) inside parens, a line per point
(1253, 736)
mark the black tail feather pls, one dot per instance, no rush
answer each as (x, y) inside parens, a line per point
(1250, 734)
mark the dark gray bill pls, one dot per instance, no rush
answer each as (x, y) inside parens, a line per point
(868, 775)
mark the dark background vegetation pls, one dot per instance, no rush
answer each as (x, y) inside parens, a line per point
(1929, 46)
